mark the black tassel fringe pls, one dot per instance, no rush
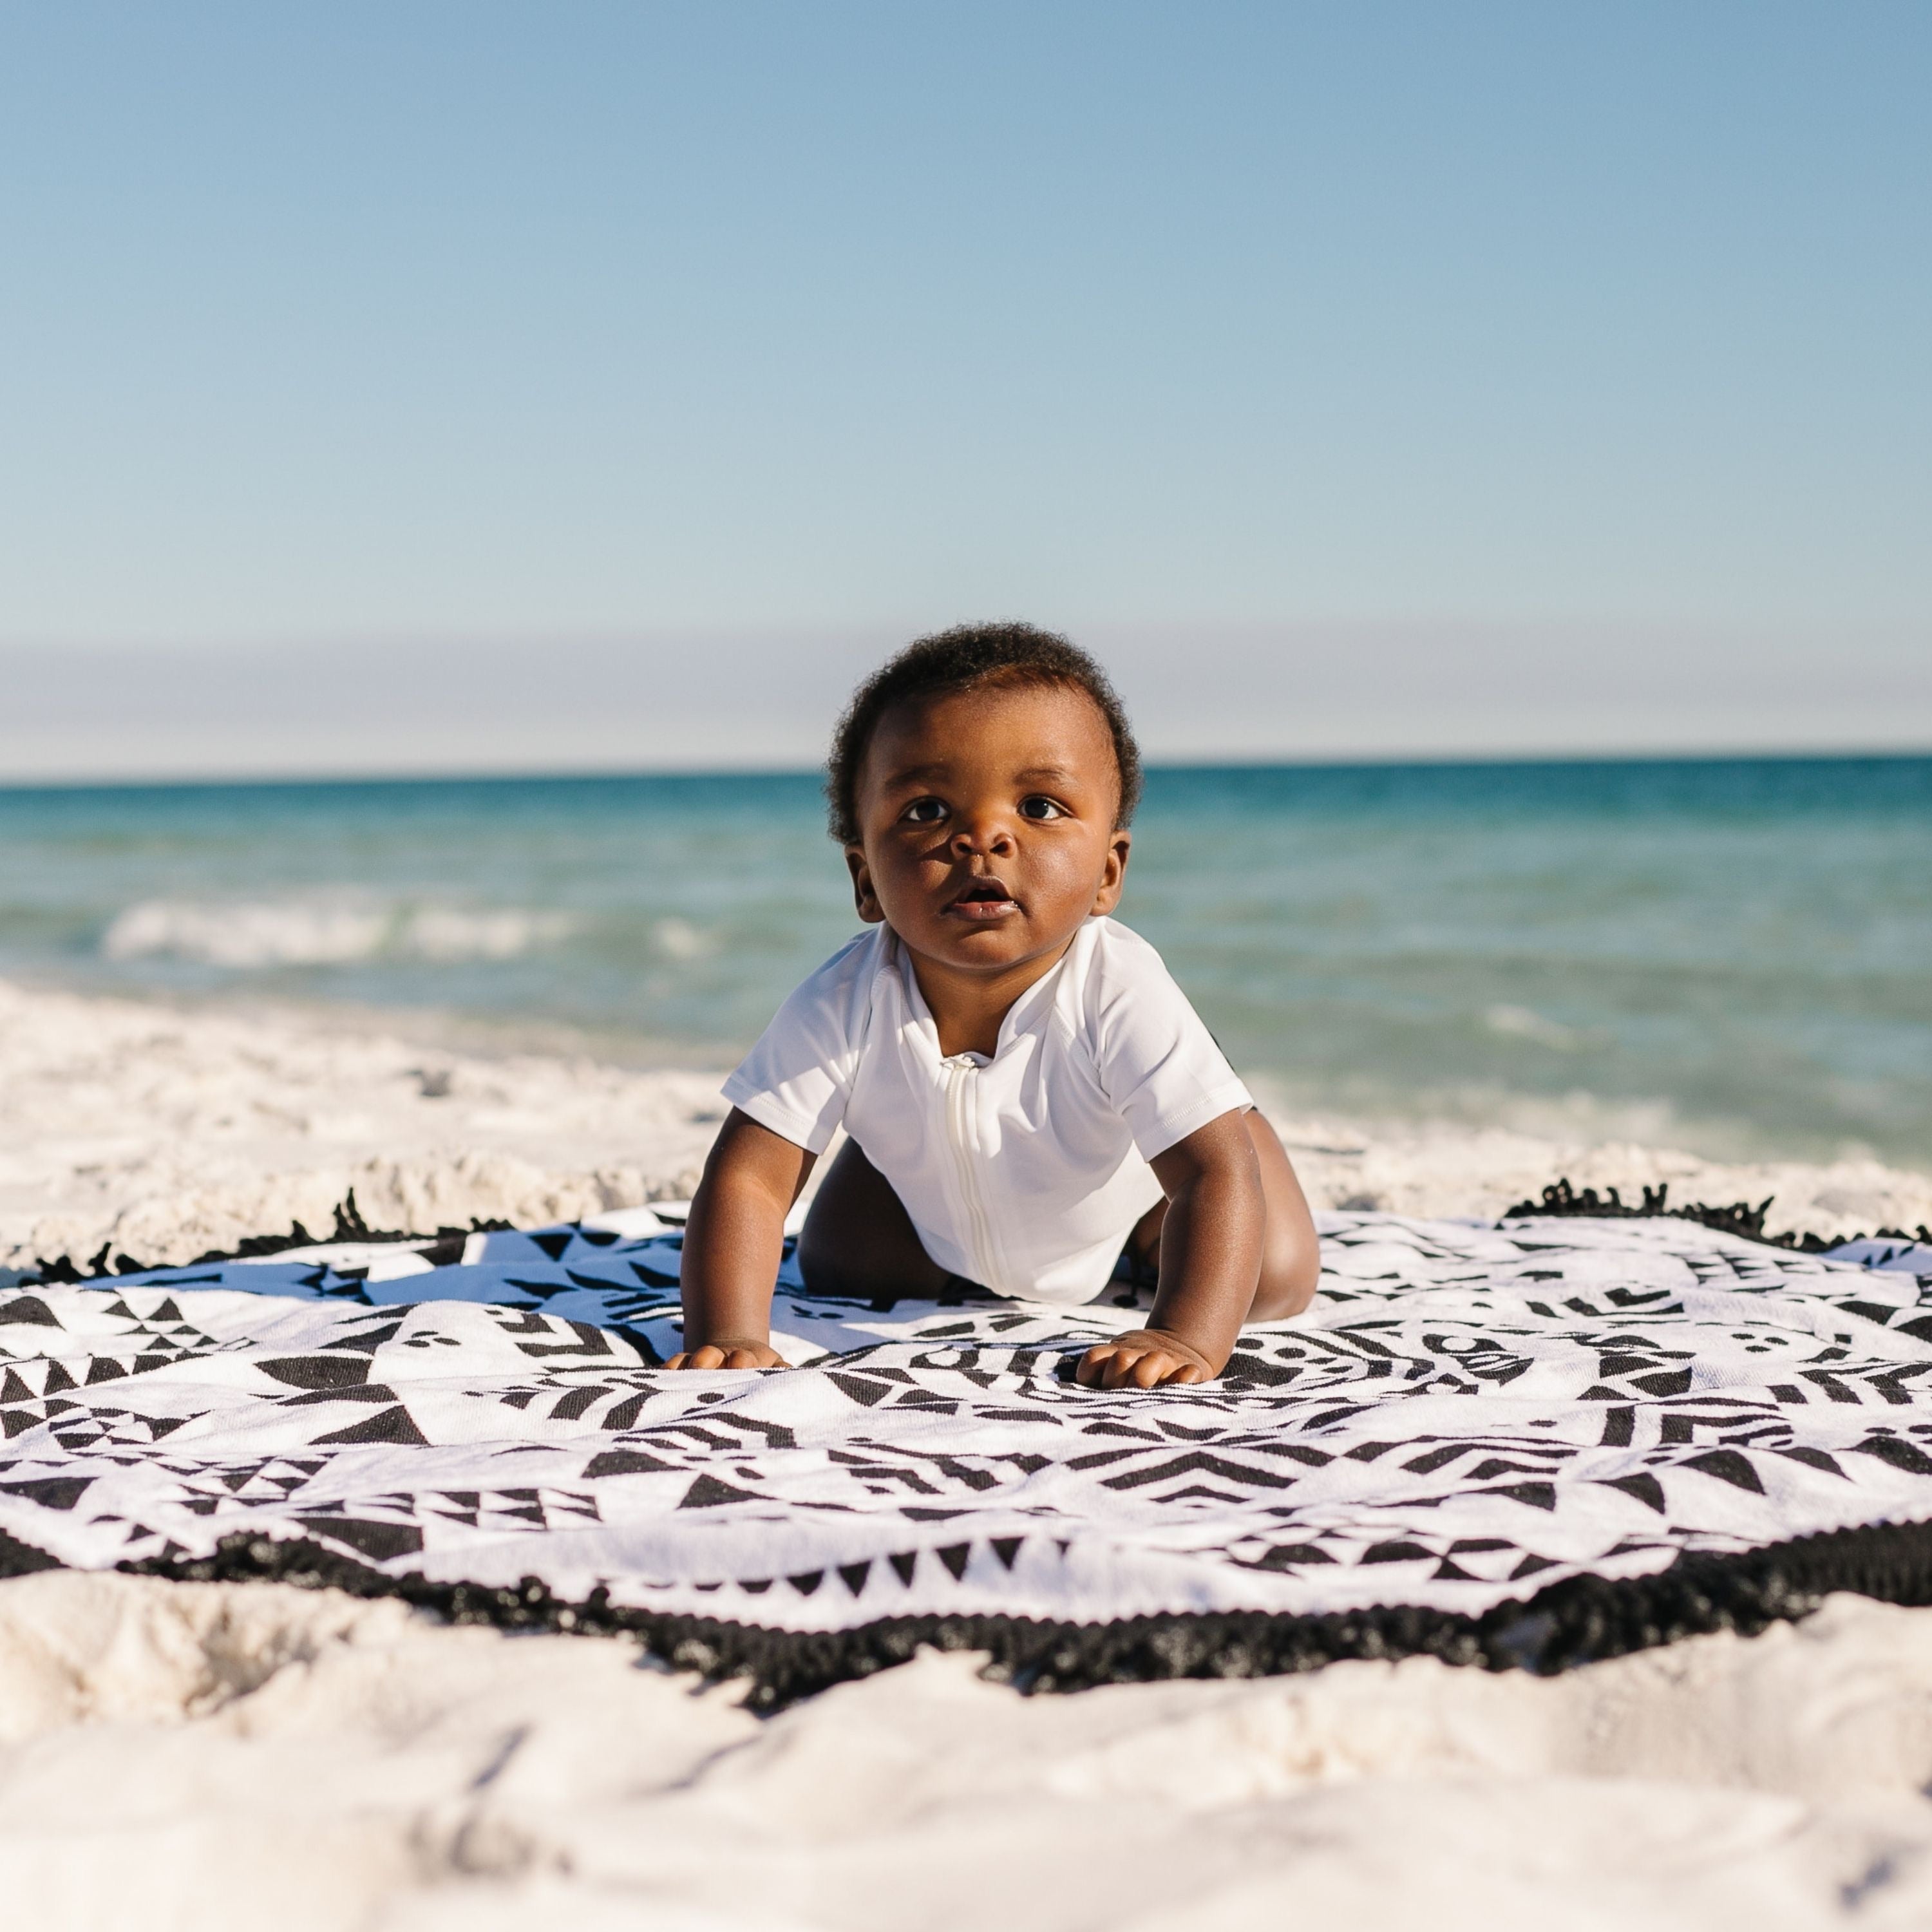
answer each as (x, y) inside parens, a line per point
(64, 1271)
(1559, 1198)
(1580, 1620)
(1739, 1218)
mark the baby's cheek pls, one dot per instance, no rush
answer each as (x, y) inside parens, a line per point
(913, 884)
(1071, 877)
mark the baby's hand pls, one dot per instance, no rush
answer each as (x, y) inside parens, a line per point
(730, 1354)
(1144, 1358)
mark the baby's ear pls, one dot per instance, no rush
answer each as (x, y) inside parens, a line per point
(1114, 874)
(863, 897)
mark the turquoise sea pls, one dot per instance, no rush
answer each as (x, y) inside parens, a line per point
(1731, 955)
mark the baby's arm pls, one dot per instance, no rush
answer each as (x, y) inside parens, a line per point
(1210, 1264)
(733, 1244)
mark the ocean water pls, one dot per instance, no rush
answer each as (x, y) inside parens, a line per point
(1734, 955)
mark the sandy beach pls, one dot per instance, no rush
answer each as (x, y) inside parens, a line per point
(177, 1756)
(205, 1754)
(163, 1132)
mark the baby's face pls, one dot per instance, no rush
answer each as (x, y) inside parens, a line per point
(986, 829)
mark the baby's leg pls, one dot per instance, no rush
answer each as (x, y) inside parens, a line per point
(1290, 1250)
(858, 1239)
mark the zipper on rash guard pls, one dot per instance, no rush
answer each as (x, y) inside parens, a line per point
(961, 1072)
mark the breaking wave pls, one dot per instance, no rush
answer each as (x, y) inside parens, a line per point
(251, 936)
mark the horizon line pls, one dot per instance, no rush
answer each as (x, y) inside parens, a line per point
(1497, 760)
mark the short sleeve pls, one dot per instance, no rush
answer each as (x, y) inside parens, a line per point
(1157, 1063)
(798, 1078)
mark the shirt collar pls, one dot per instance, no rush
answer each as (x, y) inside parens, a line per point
(1020, 1016)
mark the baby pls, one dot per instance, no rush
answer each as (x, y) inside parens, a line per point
(1029, 1099)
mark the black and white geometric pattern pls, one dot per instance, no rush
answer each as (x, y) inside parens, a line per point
(1467, 1414)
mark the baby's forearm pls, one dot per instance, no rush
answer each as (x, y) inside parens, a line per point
(735, 1240)
(733, 1244)
(1210, 1261)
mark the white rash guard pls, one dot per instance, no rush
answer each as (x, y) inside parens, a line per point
(1025, 1172)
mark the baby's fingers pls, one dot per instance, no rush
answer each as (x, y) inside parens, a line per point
(706, 1357)
(1157, 1368)
(1130, 1363)
(1094, 1366)
(753, 1358)
(1108, 1365)
(712, 1357)
(1133, 1368)
(1173, 1369)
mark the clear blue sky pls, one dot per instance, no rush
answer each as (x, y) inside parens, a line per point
(427, 322)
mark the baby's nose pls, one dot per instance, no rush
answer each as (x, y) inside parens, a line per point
(982, 835)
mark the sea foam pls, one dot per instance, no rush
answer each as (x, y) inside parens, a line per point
(246, 935)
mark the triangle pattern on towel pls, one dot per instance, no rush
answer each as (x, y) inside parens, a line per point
(1467, 1415)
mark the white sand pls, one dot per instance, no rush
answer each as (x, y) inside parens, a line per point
(166, 1133)
(206, 1756)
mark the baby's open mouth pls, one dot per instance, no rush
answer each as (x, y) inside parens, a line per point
(984, 899)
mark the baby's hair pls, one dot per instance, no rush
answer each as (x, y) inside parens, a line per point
(957, 660)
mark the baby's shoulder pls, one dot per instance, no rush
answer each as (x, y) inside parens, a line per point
(1119, 948)
(1116, 955)
(838, 995)
(1116, 972)
(855, 962)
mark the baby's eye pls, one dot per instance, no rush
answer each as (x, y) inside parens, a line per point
(1039, 808)
(924, 811)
